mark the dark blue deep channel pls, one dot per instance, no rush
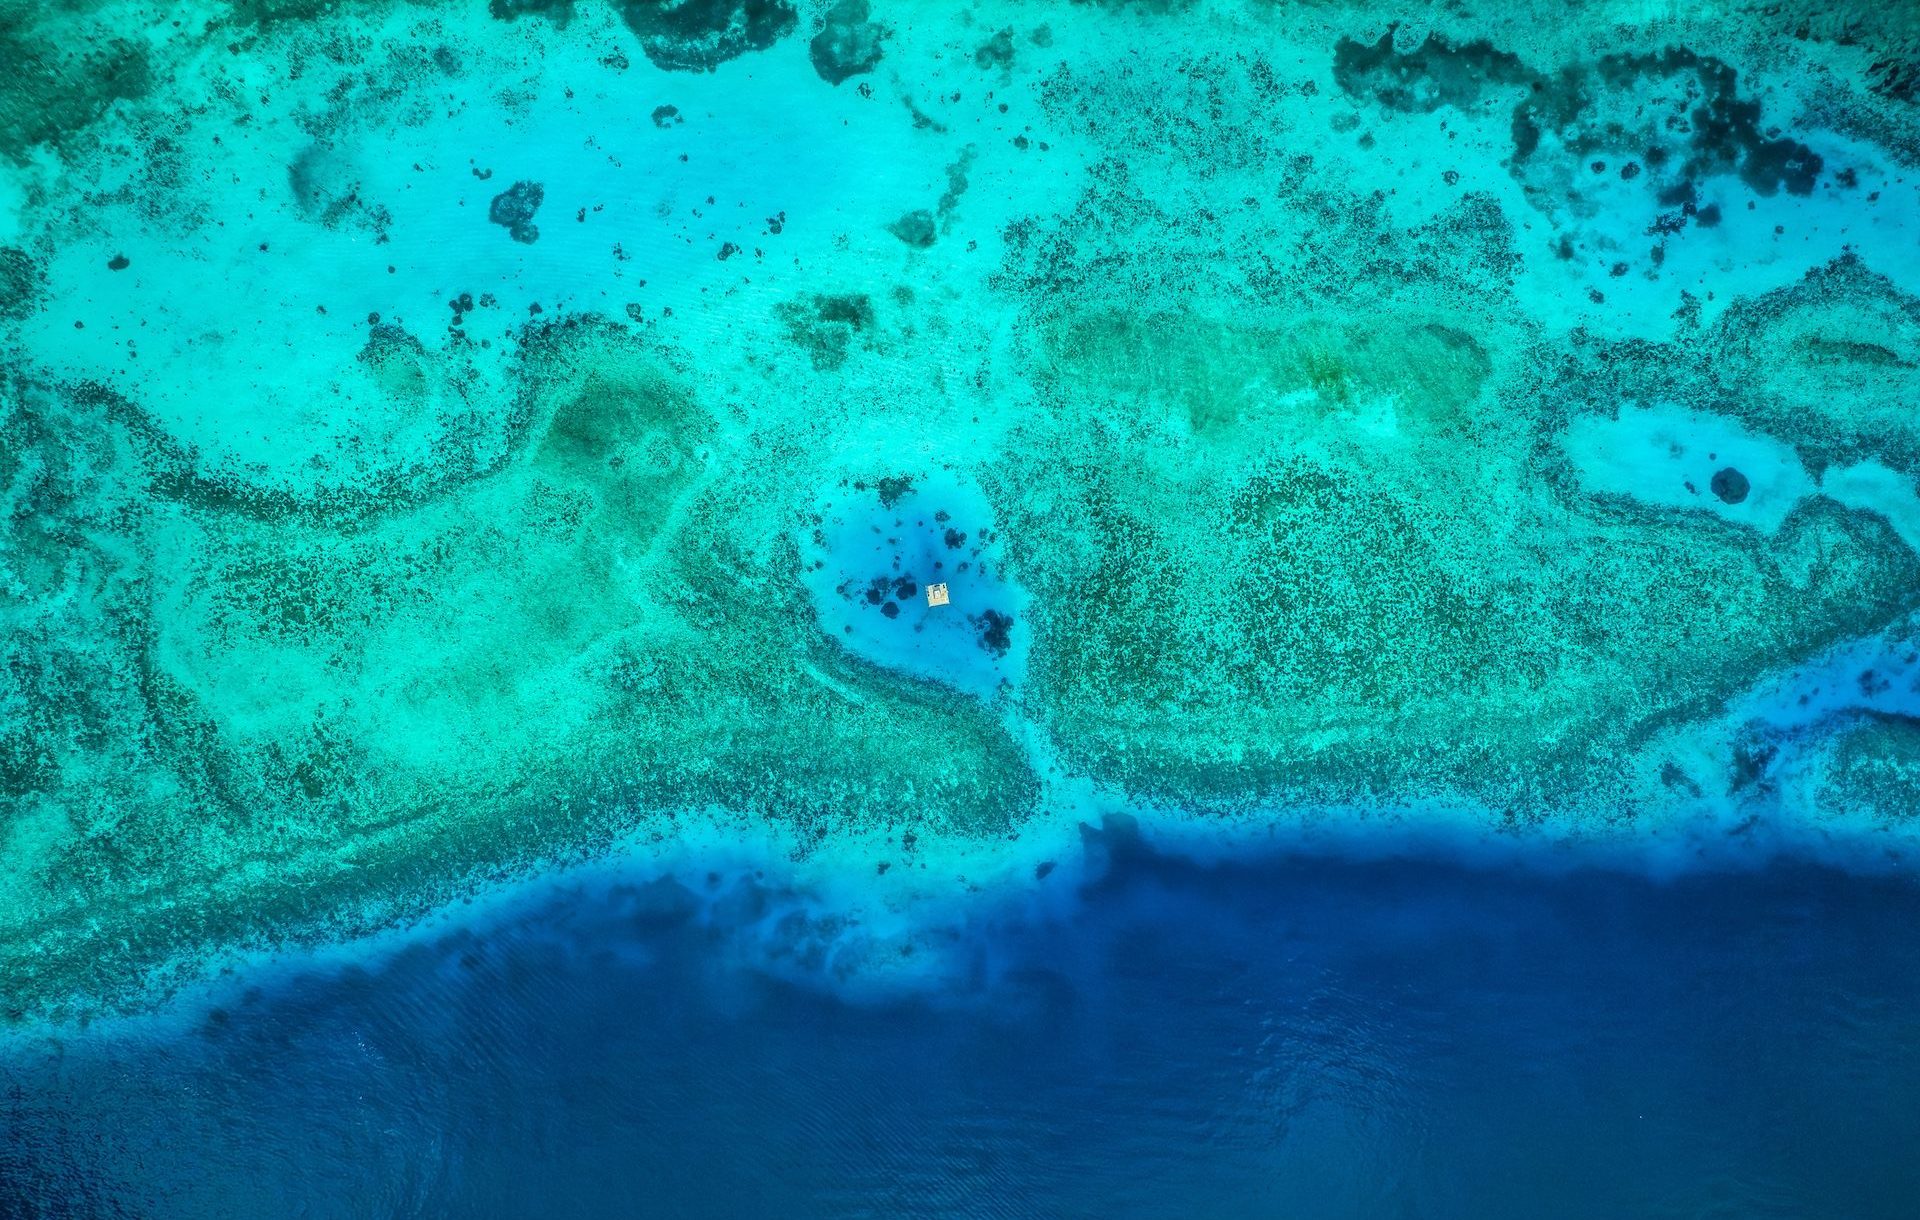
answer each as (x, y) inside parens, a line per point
(1297, 1038)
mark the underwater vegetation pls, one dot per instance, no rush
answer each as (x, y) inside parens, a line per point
(441, 438)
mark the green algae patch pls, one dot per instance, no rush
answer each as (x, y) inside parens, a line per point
(1229, 376)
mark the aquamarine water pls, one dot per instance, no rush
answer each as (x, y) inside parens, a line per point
(741, 607)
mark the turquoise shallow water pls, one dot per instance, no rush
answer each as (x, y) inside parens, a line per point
(579, 580)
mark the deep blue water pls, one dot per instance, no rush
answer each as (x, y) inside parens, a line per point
(1292, 1038)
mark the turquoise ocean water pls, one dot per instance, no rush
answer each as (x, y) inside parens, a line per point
(766, 607)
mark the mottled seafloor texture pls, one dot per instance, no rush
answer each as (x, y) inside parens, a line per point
(444, 441)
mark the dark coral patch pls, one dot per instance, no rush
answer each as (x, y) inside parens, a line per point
(996, 52)
(1723, 129)
(390, 350)
(50, 91)
(894, 489)
(1433, 75)
(1895, 78)
(825, 325)
(700, 35)
(513, 210)
(328, 197)
(19, 283)
(1681, 91)
(996, 631)
(848, 44)
(1730, 485)
(557, 11)
(916, 228)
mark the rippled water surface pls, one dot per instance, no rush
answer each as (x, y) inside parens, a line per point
(1297, 1038)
